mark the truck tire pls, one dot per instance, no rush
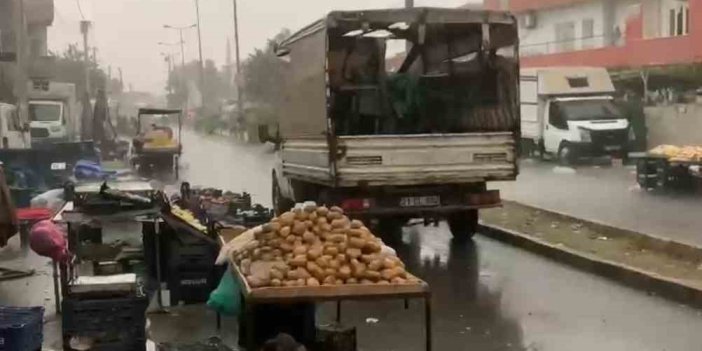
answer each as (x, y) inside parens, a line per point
(390, 230)
(280, 203)
(463, 225)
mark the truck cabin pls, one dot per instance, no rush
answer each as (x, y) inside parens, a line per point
(422, 71)
(595, 108)
(46, 111)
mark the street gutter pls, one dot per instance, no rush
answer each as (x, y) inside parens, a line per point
(687, 292)
(652, 283)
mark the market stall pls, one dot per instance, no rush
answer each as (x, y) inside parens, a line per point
(102, 290)
(669, 167)
(316, 254)
(188, 243)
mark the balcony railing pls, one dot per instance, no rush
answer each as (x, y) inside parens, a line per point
(557, 47)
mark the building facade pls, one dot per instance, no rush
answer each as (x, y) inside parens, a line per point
(609, 33)
(24, 35)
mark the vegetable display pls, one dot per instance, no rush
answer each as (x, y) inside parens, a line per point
(313, 246)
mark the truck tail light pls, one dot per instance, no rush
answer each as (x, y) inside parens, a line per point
(490, 197)
(356, 204)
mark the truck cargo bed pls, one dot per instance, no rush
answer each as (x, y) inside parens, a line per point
(404, 159)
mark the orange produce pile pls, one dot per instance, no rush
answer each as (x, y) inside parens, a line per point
(313, 246)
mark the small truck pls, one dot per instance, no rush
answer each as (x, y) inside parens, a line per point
(419, 139)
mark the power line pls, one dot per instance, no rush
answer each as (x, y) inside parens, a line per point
(80, 10)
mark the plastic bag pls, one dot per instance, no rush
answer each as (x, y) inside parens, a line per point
(47, 239)
(226, 299)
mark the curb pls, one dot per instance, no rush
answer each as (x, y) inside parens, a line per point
(652, 283)
(648, 241)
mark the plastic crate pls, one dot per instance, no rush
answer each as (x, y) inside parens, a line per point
(191, 287)
(21, 328)
(116, 324)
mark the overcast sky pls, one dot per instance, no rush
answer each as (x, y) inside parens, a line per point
(126, 32)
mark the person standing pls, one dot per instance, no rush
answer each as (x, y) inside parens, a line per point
(8, 213)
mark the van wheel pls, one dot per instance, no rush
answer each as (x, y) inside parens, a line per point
(566, 155)
(280, 204)
(463, 225)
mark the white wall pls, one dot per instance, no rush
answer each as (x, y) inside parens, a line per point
(608, 16)
(542, 38)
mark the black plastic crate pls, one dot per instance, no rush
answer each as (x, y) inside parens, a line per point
(191, 257)
(191, 286)
(21, 328)
(125, 344)
(115, 324)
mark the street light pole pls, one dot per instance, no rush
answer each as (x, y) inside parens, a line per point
(237, 79)
(182, 55)
(199, 44)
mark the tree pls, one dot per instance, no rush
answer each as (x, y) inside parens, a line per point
(70, 68)
(263, 80)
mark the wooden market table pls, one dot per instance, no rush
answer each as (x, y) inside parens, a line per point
(336, 293)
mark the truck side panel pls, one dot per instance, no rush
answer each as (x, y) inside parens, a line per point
(531, 123)
(304, 113)
(307, 159)
(397, 160)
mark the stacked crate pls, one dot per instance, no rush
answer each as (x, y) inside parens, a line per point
(192, 273)
(21, 328)
(112, 324)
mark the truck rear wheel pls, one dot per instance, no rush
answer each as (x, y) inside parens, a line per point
(280, 203)
(463, 225)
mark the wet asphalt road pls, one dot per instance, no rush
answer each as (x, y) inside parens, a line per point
(486, 296)
(608, 195)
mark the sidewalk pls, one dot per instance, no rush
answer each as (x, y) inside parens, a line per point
(608, 195)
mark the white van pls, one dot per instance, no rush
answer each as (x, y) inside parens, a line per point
(13, 134)
(570, 112)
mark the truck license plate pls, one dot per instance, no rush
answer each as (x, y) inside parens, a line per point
(420, 201)
(58, 166)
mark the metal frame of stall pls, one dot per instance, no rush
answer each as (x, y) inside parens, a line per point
(336, 294)
(663, 166)
(70, 216)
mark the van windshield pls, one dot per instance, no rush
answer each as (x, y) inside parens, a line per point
(586, 110)
(44, 113)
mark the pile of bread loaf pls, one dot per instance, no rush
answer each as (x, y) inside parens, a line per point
(315, 245)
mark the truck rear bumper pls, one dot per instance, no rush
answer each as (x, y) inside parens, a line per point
(596, 150)
(424, 203)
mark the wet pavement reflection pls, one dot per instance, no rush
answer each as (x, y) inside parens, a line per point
(486, 296)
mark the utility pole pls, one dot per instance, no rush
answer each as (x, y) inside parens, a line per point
(21, 81)
(202, 64)
(408, 4)
(121, 78)
(182, 56)
(237, 77)
(84, 29)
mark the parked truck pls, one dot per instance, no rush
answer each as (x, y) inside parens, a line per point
(13, 133)
(54, 113)
(569, 112)
(420, 140)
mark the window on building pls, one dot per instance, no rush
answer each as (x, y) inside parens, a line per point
(565, 36)
(679, 19)
(588, 33)
(578, 82)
